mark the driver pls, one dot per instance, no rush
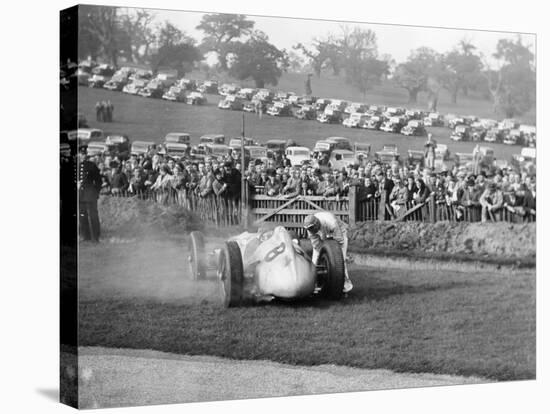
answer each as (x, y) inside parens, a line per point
(323, 225)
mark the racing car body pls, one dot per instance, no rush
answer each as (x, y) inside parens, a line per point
(269, 264)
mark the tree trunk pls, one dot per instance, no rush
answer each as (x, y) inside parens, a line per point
(454, 95)
(465, 90)
(413, 95)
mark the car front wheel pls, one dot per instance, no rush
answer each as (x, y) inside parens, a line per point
(331, 270)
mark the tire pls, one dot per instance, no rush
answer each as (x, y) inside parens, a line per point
(332, 281)
(230, 270)
(197, 256)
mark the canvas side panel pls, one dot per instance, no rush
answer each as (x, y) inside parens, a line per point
(68, 209)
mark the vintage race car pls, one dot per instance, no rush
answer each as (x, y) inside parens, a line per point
(269, 264)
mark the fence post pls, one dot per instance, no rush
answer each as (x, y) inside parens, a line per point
(382, 206)
(244, 204)
(352, 205)
(432, 208)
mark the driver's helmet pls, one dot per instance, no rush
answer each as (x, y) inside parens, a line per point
(312, 224)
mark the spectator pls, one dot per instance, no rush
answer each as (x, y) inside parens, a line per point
(422, 192)
(272, 186)
(119, 181)
(411, 188)
(491, 202)
(293, 186)
(232, 177)
(468, 199)
(218, 186)
(398, 196)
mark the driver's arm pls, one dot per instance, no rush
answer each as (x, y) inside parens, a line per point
(316, 242)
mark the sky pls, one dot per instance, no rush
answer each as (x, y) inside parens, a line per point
(396, 40)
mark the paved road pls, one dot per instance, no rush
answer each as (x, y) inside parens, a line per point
(123, 377)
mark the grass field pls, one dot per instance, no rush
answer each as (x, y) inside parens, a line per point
(151, 119)
(139, 296)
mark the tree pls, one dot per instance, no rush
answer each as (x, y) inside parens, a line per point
(222, 29)
(257, 59)
(99, 32)
(176, 50)
(367, 72)
(513, 84)
(462, 67)
(413, 75)
(136, 24)
(319, 52)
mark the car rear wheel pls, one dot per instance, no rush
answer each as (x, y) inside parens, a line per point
(230, 272)
(197, 256)
(331, 270)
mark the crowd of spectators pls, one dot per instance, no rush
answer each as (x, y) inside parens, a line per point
(401, 186)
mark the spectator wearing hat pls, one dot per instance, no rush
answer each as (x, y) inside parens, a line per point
(88, 184)
(491, 201)
(429, 152)
(293, 186)
(398, 196)
(137, 182)
(468, 200)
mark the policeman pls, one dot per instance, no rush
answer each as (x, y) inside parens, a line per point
(324, 225)
(88, 184)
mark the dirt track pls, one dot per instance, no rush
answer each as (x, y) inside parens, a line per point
(122, 377)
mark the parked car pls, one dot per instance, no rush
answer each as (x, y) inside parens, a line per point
(388, 154)
(175, 94)
(195, 98)
(135, 87)
(514, 137)
(187, 84)
(119, 145)
(176, 150)
(276, 148)
(487, 159)
(141, 74)
(340, 143)
(461, 133)
(228, 89)
(97, 148)
(255, 152)
(142, 147)
(529, 134)
(217, 150)
(236, 142)
(298, 155)
(154, 89)
(250, 106)
(231, 102)
(85, 135)
(417, 114)
(280, 109)
(340, 158)
(212, 139)
(330, 116)
(246, 94)
(356, 120)
(493, 135)
(177, 137)
(415, 157)
(393, 124)
(116, 83)
(414, 128)
(391, 112)
(434, 119)
(478, 131)
(527, 156)
(374, 122)
(209, 86)
(356, 107)
(100, 75)
(464, 160)
(307, 112)
(321, 104)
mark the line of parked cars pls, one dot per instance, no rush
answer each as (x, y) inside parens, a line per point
(409, 122)
(331, 152)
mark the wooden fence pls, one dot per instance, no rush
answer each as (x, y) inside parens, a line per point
(257, 209)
